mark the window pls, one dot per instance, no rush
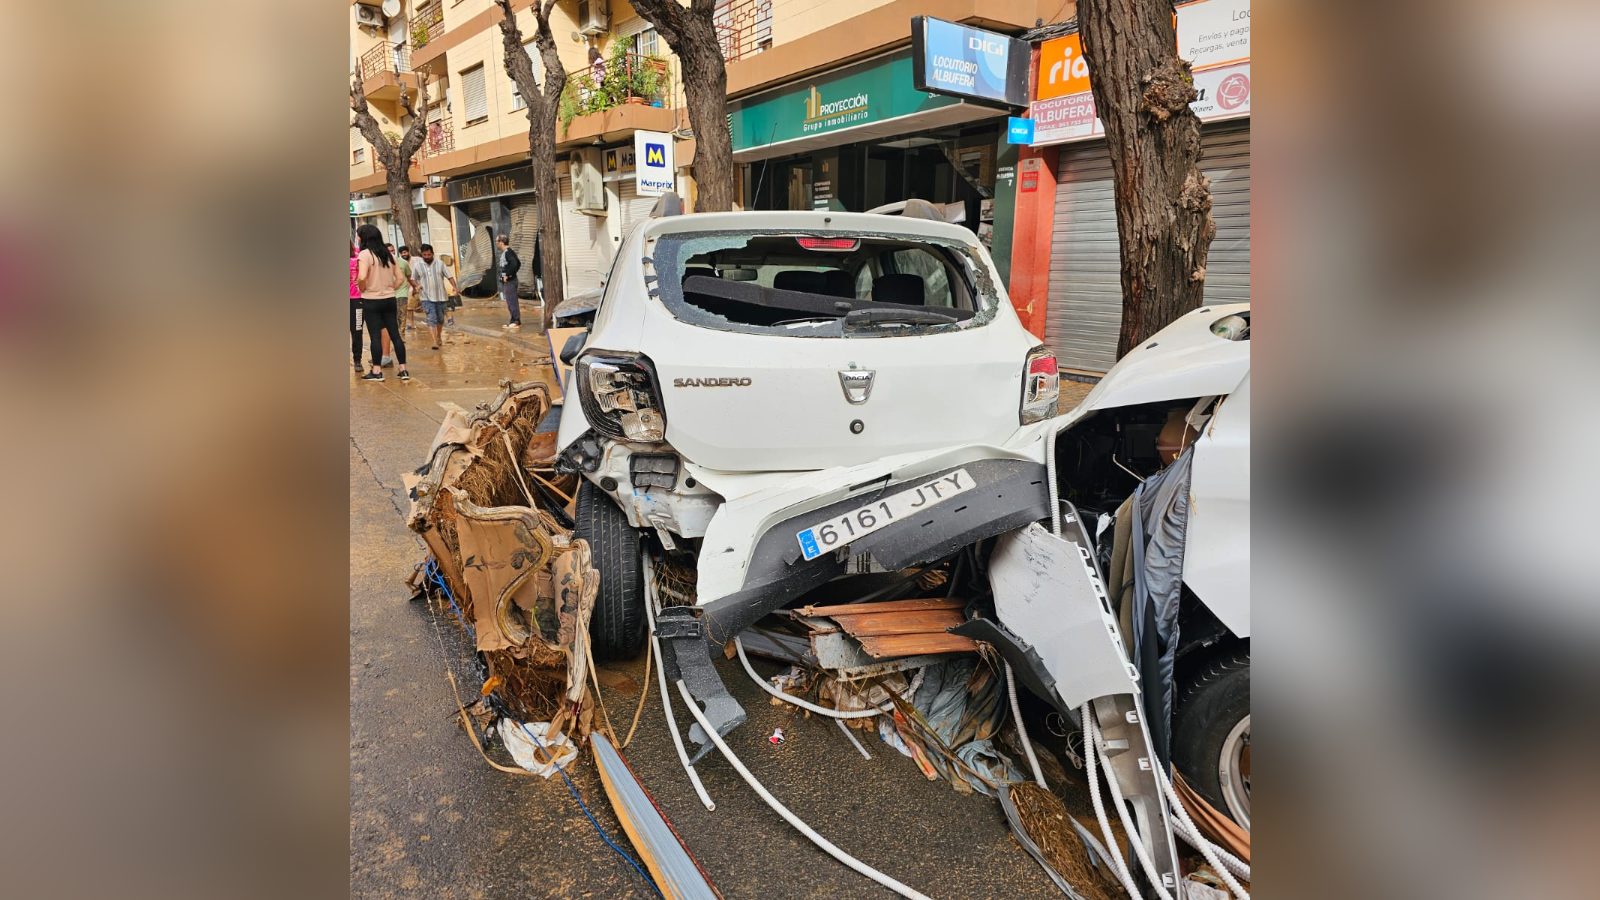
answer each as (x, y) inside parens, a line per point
(477, 97)
(358, 155)
(648, 42)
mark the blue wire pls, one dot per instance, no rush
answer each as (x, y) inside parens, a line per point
(433, 575)
(574, 789)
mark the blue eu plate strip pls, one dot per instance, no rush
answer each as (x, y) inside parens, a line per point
(808, 545)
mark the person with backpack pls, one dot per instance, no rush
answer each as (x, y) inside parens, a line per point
(379, 276)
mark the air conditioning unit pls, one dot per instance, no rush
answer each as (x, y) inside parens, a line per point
(588, 188)
(370, 16)
(594, 17)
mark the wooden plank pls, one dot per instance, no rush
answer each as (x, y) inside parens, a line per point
(885, 646)
(915, 621)
(856, 609)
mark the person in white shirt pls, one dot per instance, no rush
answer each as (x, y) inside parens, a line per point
(430, 276)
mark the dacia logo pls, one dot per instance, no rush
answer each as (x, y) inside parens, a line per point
(655, 155)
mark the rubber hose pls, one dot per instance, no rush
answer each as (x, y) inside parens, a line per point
(1117, 862)
(1127, 823)
(805, 704)
(788, 816)
(850, 733)
(1022, 730)
(1210, 851)
(661, 677)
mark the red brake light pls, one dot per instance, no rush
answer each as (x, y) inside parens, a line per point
(843, 245)
(1042, 365)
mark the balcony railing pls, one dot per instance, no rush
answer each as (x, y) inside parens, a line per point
(386, 57)
(427, 24)
(639, 79)
(744, 27)
(440, 139)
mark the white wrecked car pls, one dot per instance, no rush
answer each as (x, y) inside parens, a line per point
(793, 399)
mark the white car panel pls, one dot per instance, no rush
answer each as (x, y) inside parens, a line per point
(1216, 556)
(1183, 360)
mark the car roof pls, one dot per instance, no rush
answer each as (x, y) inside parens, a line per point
(818, 220)
(1184, 359)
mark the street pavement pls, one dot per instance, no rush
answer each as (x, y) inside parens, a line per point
(428, 817)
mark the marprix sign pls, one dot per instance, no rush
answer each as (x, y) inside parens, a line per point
(655, 169)
(968, 62)
(1214, 35)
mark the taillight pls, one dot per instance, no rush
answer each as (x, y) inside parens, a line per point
(1041, 386)
(620, 397)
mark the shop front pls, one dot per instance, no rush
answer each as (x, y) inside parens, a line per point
(1083, 310)
(590, 234)
(379, 211)
(484, 206)
(863, 136)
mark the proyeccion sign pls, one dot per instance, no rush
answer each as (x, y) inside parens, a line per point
(970, 63)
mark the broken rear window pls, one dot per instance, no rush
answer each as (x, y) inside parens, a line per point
(830, 284)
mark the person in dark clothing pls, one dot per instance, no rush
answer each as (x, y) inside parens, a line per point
(509, 264)
(378, 274)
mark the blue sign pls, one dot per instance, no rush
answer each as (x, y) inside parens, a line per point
(969, 62)
(1019, 131)
(655, 170)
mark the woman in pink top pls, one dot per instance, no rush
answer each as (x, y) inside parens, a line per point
(378, 274)
(355, 309)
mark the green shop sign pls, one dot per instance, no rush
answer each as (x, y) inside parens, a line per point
(857, 95)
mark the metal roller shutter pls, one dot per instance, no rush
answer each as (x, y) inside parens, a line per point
(478, 262)
(634, 207)
(1085, 305)
(581, 240)
(524, 240)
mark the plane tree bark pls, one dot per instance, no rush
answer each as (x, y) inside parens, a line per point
(543, 100)
(395, 157)
(1142, 92)
(693, 37)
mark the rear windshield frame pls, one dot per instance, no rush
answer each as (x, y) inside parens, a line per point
(669, 252)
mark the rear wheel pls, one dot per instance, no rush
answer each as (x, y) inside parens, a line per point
(1211, 734)
(617, 626)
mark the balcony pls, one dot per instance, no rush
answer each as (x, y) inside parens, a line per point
(441, 139)
(427, 25)
(744, 27)
(629, 79)
(384, 68)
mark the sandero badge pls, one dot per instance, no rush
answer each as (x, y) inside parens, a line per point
(710, 382)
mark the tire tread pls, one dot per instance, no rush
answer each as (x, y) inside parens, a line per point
(617, 625)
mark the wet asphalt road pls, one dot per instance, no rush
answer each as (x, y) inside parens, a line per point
(428, 818)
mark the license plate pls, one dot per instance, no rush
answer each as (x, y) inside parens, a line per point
(840, 530)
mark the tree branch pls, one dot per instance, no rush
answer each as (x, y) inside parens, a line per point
(666, 16)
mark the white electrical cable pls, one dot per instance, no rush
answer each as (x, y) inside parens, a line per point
(661, 677)
(1219, 858)
(788, 816)
(804, 704)
(1117, 863)
(1127, 822)
(1022, 731)
(851, 734)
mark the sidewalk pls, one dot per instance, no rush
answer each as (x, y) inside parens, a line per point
(484, 318)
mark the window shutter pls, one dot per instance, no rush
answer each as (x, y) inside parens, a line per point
(477, 97)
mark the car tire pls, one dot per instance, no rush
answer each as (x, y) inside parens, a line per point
(1211, 733)
(617, 625)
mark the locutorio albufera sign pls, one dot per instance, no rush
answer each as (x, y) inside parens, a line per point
(1213, 35)
(655, 169)
(970, 63)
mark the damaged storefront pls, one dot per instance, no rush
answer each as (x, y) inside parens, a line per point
(485, 206)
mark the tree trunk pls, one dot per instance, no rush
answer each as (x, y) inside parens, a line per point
(705, 88)
(692, 35)
(395, 158)
(542, 144)
(399, 186)
(1142, 92)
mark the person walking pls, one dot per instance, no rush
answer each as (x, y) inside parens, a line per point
(355, 308)
(379, 276)
(405, 299)
(431, 277)
(509, 264)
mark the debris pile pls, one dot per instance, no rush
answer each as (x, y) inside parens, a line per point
(495, 517)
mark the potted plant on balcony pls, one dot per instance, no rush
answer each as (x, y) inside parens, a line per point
(419, 35)
(649, 78)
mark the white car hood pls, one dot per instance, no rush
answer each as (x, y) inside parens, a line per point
(1183, 360)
